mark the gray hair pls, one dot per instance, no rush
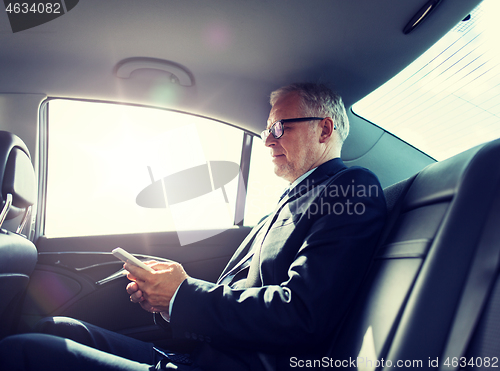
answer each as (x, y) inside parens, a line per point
(317, 100)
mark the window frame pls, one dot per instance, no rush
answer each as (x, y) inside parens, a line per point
(43, 140)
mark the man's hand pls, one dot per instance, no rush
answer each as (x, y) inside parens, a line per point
(154, 290)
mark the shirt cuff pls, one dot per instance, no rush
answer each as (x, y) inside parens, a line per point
(166, 315)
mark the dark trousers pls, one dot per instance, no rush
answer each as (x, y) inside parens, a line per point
(67, 344)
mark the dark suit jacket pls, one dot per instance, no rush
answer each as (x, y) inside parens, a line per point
(311, 255)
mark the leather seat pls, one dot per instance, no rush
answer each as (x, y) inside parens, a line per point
(419, 300)
(18, 255)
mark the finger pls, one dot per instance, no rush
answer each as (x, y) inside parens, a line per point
(131, 277)
(132, 287)
(161, 266)
(146, 306)
(137, 297)
(136, 272)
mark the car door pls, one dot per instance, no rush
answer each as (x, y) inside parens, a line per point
(160, 184)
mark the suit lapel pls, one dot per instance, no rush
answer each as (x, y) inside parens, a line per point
(318, 176)
(241, 253)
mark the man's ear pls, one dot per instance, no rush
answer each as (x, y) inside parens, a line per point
(327, 128)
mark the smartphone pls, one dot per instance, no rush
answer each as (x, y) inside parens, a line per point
(129, 258)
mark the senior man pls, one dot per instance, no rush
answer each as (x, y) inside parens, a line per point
(282, 295)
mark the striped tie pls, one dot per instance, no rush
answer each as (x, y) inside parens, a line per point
(287, 191)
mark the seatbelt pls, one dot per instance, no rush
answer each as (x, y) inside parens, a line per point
(480, 281)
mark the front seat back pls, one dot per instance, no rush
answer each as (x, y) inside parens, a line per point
(414, 300)
(18, 255)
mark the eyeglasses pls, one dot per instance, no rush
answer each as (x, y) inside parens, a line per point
(277, 129)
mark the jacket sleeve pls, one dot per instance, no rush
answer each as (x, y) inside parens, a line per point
(336, 235)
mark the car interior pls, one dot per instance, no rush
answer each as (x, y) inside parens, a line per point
(106, 98)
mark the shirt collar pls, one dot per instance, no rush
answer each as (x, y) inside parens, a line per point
(300, 179)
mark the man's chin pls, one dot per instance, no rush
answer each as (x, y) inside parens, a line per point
(282, 171)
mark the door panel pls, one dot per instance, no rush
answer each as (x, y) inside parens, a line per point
(68, 279)
(99, 162)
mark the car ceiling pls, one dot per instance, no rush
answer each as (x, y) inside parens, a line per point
(236, 50)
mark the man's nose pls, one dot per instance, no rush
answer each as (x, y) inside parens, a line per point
(270, 140)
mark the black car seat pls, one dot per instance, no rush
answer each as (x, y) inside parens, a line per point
(434, 271)
(18, 255)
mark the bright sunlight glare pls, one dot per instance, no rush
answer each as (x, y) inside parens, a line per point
(101, 156)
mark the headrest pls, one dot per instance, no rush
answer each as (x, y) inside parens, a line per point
(17, 176)
(441, 181)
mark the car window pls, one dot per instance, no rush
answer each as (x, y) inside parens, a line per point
(448, 100)
(111, 167)
(264, 187)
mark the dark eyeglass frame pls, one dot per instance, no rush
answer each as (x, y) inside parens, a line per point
(277, 129)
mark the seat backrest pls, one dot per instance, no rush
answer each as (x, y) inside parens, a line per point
(18, 255)
(17, 178)
(406, 308)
